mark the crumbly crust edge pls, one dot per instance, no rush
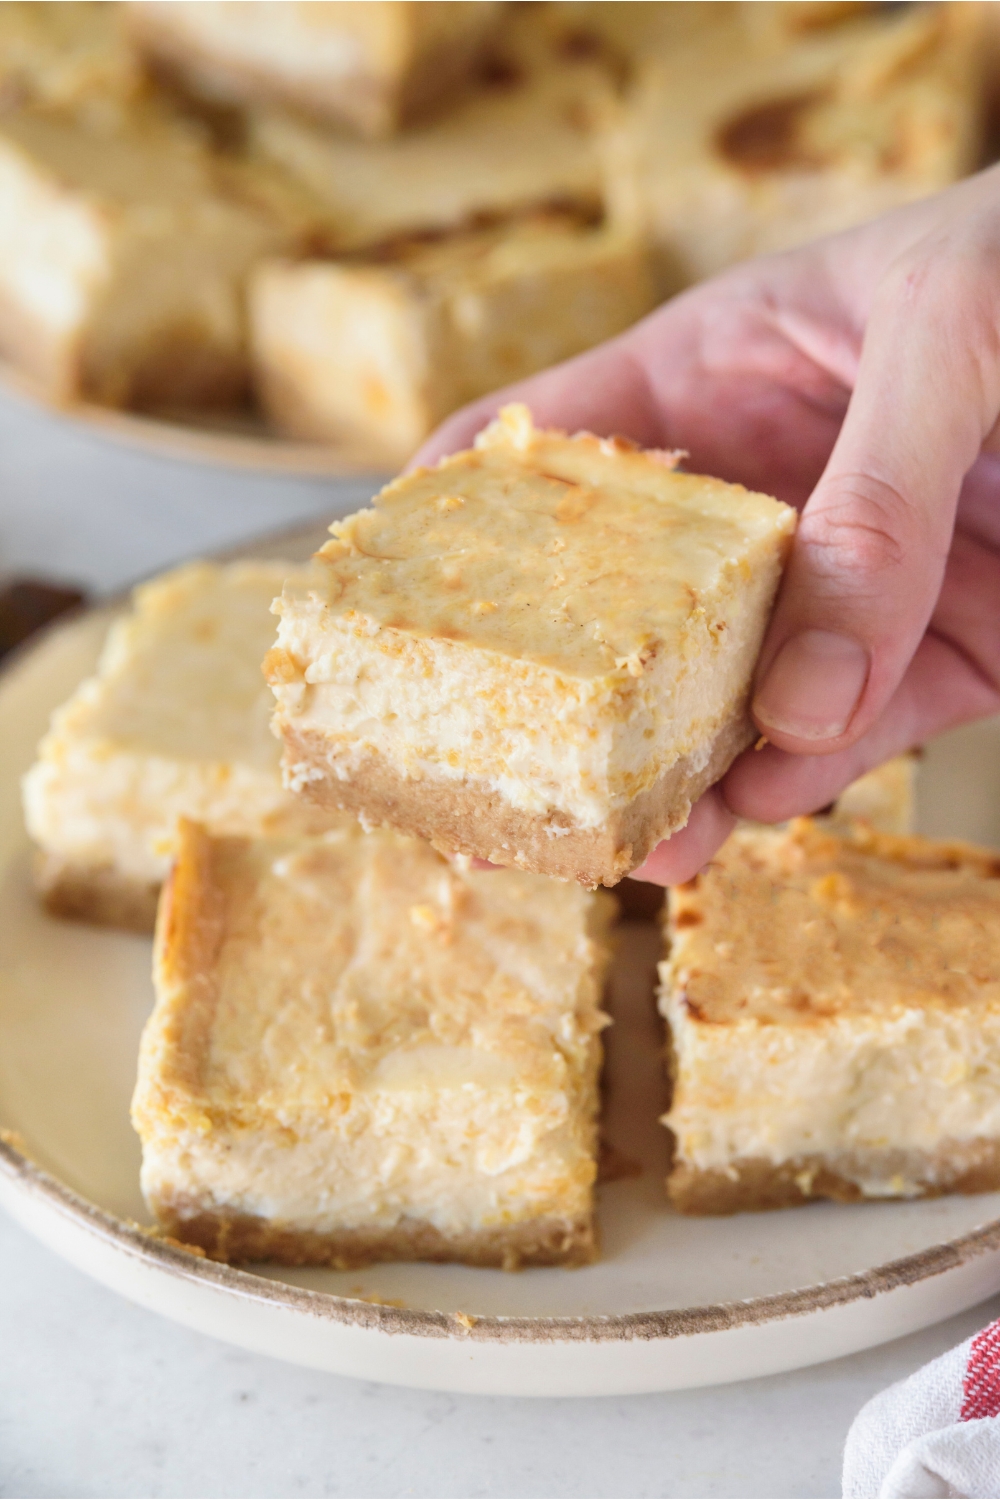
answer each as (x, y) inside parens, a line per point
(99, 894)
(466, 817)
(750, 1184)
(235, 1237)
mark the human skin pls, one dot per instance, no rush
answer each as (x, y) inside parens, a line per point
(858, 378)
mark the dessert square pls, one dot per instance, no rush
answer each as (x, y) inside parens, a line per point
(833, 1003)
(369, 66)
(360, 1053)
(538, 652)
(174, 723)
(123, 258)
(372, 356)
(530, 136)
(749, 138)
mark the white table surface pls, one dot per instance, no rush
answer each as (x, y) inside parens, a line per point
(98, 1397)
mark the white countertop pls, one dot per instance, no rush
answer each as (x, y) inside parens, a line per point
(98, 1397)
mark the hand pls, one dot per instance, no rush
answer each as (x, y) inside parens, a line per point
(859, 379)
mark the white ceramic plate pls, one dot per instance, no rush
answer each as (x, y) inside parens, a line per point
(674, 1302)
(222, 439)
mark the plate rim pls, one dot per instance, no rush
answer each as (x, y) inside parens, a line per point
(188, 443)
(162, 1254)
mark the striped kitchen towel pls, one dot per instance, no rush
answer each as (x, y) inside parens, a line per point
(936, 1433)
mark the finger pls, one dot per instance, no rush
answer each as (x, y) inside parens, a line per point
(679, 858)
(943, 687)
(870, 552)
(604, 390)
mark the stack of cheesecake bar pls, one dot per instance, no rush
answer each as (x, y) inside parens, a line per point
(367, 1046)
(361, 216)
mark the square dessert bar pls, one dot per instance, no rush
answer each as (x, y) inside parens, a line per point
(375, 355)
(750, 137)
(361, 1053)
(369, 66)
(833, 1001)
(174, 722)
(124, 246)
(533, 135)
(538, 652)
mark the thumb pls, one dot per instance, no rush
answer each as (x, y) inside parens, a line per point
(871, 547)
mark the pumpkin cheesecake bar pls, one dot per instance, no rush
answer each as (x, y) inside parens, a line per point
(376, 353)
(833, 1002)
(124, 247)
(538, 652)
(532, 136)
(369, 66)
(748, 139)
(359, 1052)
(174, 723)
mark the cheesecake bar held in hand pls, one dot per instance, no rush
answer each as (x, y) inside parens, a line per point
(538, 652)
(833, 998)
(360, 1053)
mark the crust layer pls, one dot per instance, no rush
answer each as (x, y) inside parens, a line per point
(96, 893)
(470, 818)
(753, 1183)
(243, 1237)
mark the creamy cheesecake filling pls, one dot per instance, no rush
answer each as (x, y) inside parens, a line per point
(96, 805)
(546, 741)
(461, 1159)
(875, 1097)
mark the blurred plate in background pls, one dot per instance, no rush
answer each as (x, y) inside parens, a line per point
(225, 439)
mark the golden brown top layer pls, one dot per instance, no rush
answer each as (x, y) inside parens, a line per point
(797, 925)
(292, 972)
(583, 554)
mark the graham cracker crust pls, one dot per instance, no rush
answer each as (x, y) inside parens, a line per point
(752, 1183)
(470, 818)
(96, 893)
(235, 1237)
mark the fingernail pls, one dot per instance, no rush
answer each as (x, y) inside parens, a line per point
(813, 685)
